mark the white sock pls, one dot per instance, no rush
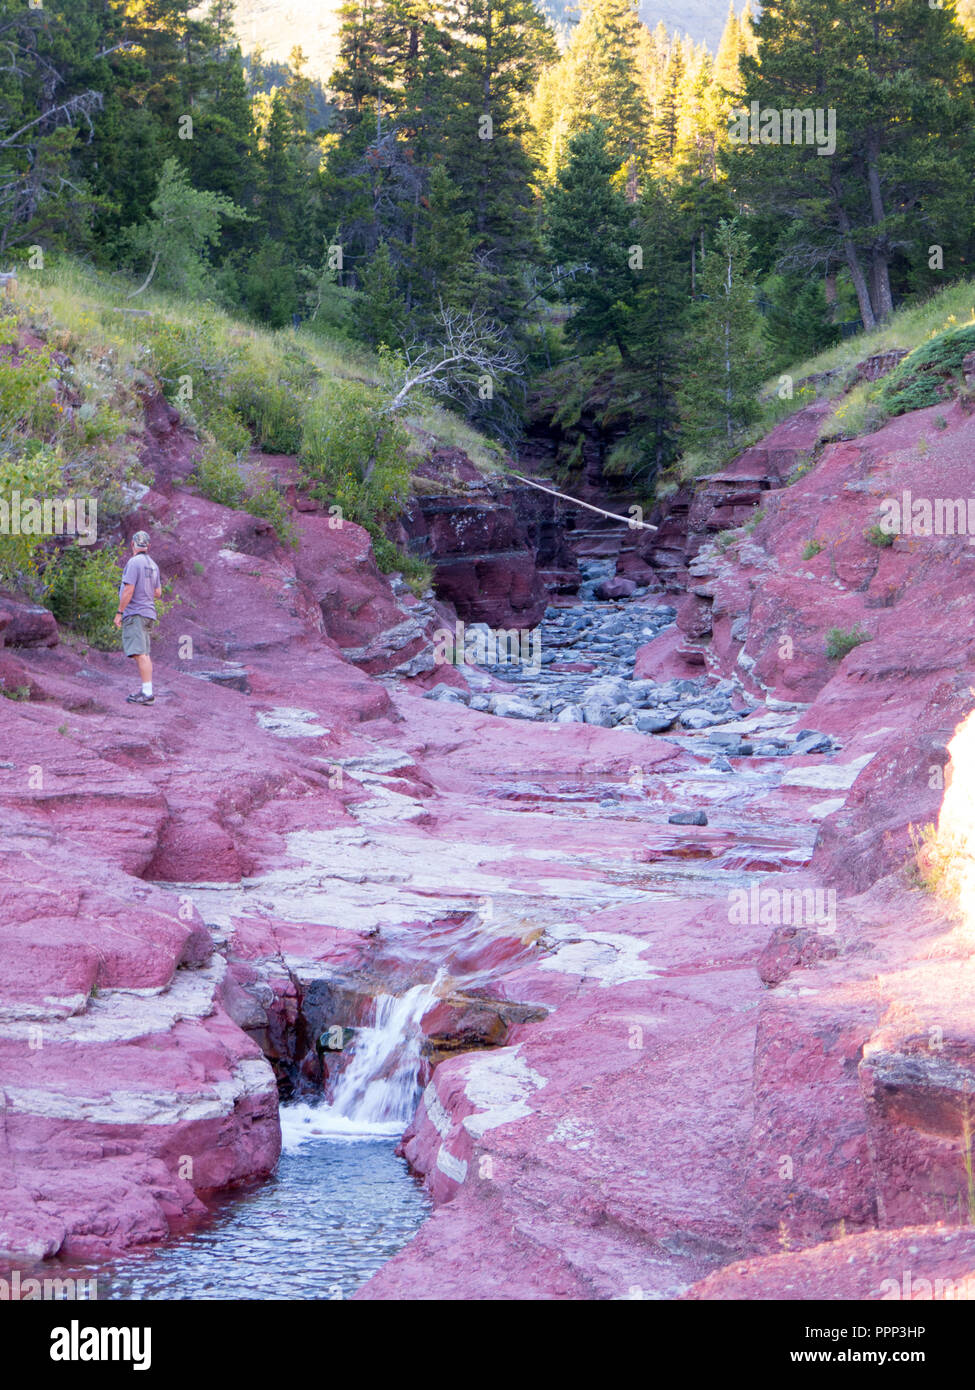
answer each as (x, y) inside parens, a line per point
(147, 687)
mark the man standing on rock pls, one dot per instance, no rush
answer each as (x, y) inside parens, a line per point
(140, 587)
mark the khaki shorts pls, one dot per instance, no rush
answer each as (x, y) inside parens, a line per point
(135, 635)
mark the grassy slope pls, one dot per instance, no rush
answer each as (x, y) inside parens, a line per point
(907, 328)
(90, 317)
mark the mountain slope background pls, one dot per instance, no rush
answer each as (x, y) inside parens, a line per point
(276, 26)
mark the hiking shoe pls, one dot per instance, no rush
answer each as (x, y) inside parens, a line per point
(140, 699)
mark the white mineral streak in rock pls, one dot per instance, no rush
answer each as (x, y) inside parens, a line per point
(452, 1166)
(573, 1132)
(250, 1077)
(291, 723)
(436, 1114)
(828, 777)
(350, 878)
(119, 1015)
(499, 1084)
(821, 809)
(609, 957)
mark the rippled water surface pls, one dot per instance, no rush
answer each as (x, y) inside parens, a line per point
(335, 1211)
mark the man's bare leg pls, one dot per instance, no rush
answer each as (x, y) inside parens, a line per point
(144, 663)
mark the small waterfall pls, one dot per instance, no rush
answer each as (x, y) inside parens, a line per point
(376, 1093)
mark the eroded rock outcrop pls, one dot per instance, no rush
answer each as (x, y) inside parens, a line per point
(469, 530)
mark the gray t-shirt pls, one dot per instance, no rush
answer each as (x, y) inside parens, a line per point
(143, 572)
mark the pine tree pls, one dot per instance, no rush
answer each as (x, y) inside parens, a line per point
(726, 69)
(499, 46)
(748, 42)
(797, 325)
(53, 84)
(896, 79)
(279, 177)
(381, 313)
(659, 321)
(221, 156)
(666, 117)
(723, 367)
(607, 47)
(601, 76)
(591, 230)
(359, 81)
(442, 268)
(184, 226)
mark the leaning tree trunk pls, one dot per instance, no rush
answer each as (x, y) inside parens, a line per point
(880, 295)
(854, 264)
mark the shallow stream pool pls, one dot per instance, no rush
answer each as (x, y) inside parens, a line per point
(335, 1210)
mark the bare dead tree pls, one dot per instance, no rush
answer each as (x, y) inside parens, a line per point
(468, 352)
(468, 355)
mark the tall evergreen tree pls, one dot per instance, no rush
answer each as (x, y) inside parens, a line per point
(726, 69)
(723, 365)
(601, 76)
(591, 231)
(54, 79)
(442, 268)
(381, 315)
(499, 46)
(666, 117)
(897, 77)
(659, 322)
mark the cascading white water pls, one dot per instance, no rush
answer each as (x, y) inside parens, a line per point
(376, 1093)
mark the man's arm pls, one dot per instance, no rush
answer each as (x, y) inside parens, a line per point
(123, 602)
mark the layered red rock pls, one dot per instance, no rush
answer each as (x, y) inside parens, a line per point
(470, 532)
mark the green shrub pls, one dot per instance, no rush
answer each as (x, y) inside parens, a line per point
(35, 472)
(194, 357)
(417, 573)
(805, 460)
(811, 548)
(877, 536)
(861, 411)
(839, 642)
(229, 430)
(97, 422)
(242, 387)
(929, 374)
(27, 393)
(268, 502)
(81, 587)
(355, 456)
(217, 475)
(271, 398)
